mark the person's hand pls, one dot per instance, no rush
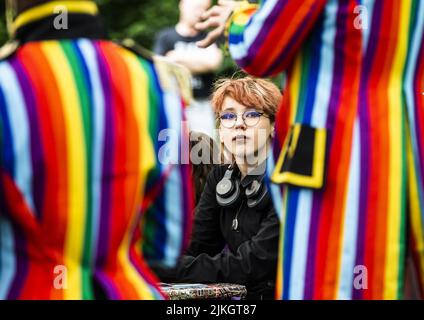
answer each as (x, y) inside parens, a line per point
(216, 18)
(172, 55)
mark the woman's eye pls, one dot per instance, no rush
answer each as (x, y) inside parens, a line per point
(252, 114)
(228, 116)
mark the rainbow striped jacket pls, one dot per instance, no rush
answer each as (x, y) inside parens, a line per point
(79, 156)
(348, 162)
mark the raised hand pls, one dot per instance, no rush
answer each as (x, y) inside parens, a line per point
(215, 18)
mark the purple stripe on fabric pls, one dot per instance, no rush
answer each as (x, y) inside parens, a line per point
(152, 288)
(22, 265)
(34, 126)
(20, 254)
(107, 164)
(364, 123)
(418, 88)
(290, 45)
(262, 35)
(187, 214)
(312, 242)
(334, 104)
(106, 285)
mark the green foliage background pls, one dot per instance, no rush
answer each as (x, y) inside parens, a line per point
(137, 19)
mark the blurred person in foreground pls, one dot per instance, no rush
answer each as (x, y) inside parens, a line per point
(349, 152)
(178, 43)
(79, 121)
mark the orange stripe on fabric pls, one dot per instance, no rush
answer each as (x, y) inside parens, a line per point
(276, 40)
(286, 112)
(383, 165)
(52, 234)
(55, 215)
(23, 217)
(375, 253)
(121, 197)
(347, 112)
(334, 203)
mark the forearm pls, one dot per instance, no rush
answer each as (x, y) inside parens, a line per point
(255, 259)
(199, 67)
(199, 63)
(243, 267)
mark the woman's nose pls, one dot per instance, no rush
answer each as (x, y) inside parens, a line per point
(240, 122)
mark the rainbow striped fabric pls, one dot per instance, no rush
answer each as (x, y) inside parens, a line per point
(356, 69)
(79, 124)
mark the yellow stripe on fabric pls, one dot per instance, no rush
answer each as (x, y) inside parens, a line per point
(140, 98)
(241, 14)
(316, 180)
(280, 271)
(393, 249)
(294, 88)
(76, 171)
(415, 210)
(241, 19)
(53, 7)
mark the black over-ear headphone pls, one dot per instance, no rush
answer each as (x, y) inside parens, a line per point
(256, 192)
(228, 190)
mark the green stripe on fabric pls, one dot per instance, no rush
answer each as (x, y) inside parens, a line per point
(305, 65)
(150, 224)
(84, 99)
(402, 226)
(237, 29)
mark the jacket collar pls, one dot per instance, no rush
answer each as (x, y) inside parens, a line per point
(42, 22)
(255, 174)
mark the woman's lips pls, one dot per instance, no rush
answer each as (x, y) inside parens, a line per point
(240, 137)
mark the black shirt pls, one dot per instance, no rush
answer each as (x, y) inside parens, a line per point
(169, 39)
(218, 253)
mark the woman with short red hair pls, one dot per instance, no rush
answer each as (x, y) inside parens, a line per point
(235, 234)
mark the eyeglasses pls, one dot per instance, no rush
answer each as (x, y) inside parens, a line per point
(250, 118)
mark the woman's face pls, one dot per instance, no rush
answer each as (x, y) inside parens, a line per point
(246, 139)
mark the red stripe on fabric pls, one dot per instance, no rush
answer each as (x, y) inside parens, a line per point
(375, 235)
(284, 114)
(40, 278)
(334, 205)
(189, 195)
(419, 107)
(142, 266)
(277, 40)
(126, 195)
(121, 95)
(39, 275)
(52, 126)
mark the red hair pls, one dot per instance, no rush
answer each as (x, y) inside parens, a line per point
(260, 94)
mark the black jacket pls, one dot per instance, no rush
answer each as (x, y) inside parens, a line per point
(217, 253)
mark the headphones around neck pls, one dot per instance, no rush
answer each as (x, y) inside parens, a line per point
(228, 190)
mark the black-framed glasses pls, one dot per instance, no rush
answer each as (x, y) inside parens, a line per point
(251, 118)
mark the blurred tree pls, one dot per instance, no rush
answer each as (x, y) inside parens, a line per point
(3, 31)
(139, 20)
(136, 19)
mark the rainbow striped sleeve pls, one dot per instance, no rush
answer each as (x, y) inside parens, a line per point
(82, 125)
(168, 204)
(263, 42)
